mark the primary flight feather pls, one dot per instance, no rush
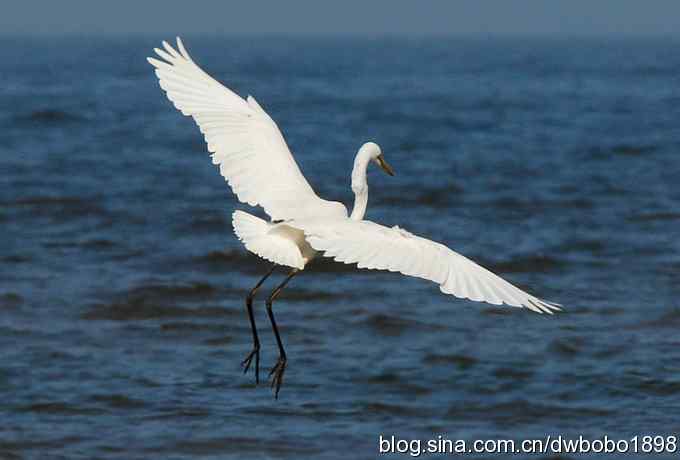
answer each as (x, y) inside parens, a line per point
(244, 141)
(255, 160)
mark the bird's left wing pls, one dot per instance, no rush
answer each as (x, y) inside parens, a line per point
(374, 246)
(243, 139)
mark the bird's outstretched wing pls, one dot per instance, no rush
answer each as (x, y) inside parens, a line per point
(374, 246)
(244, 141)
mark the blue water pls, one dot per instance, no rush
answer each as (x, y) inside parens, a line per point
(122, 319)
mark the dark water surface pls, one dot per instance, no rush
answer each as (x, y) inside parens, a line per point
(122, 319)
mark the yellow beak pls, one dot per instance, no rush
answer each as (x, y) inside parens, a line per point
(383, 164)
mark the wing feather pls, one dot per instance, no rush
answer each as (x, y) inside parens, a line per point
(374, 246)
(244, 141)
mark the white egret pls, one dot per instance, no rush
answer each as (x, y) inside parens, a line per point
(254, 159)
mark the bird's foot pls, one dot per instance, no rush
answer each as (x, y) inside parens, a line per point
(277, 373)
(246, 363)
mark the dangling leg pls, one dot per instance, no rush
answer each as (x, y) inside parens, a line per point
(280, 367)
(256, 341)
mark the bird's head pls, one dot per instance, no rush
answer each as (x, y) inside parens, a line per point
(372, 150)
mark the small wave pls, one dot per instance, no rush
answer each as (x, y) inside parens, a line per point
(440, 196)
(632, 150)
(669, 319)
(523, 411)
(568, 347)
(139, 311)
(378, 408)
(118, 401)
(96, 244)
(603, 152)
(158, 301)
(388, 325)
(494, 310)
(205, 222)
(220, 446)
(218, 341)
(592, 246)
(182, 412)
(11, 300)
(8, 455)
(50, 116)
(528, 264)
(187, 329)
(514, 203)
(395, 382)
(60, 408)
(306, 410)
(303, 295)
(394, 326)
(62, 207)
(187, 326)
(462, 361)
(435, 197)
(31, 443)
(513, 373)
(212, 446)
(162, 291)
(609, 351)
(655, 216)
(49, 200)
(385, 377)
(231, 259)
(576, 203)
(659, 387)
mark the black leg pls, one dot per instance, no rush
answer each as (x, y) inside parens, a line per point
(280, 367)
(256, 341)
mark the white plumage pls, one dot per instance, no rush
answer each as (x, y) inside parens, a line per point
(277, 243)
(377, 247)
(256, 162)
(244, 141)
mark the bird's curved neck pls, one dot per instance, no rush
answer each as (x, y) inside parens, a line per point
(360, 186)
(360, 203)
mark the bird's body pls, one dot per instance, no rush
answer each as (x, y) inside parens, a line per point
(287, 242)
(280, 243)
(254, 159)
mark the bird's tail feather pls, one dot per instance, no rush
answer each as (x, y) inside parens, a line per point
(257, 238)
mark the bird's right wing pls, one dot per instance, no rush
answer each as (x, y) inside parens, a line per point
(244, 140)
(374, 246)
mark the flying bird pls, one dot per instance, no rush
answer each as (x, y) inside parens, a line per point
(254, 159)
